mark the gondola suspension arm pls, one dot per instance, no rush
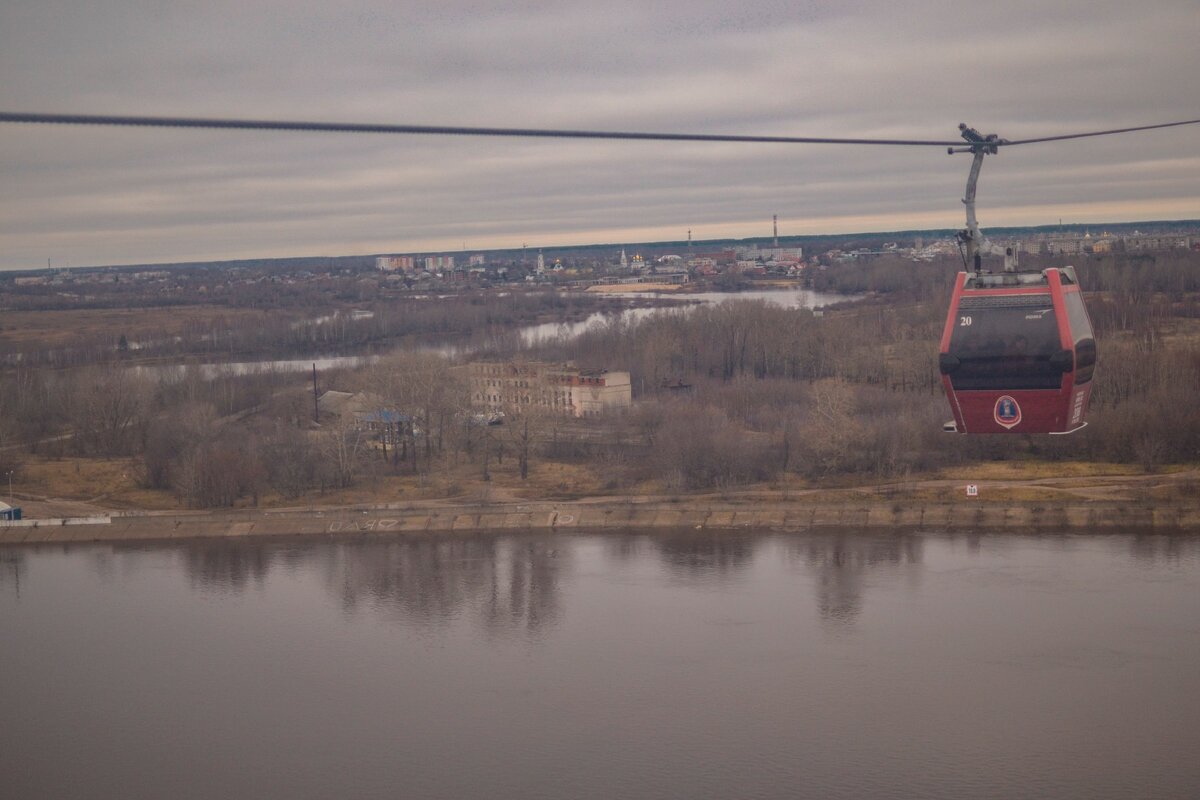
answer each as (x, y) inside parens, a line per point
(971, 238)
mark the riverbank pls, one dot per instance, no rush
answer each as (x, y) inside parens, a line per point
(563, 517)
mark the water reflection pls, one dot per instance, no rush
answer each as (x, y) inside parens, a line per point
(506, 585)
(513, 584)
(842, 564)
(528, 597)
(12, 570)
(509, 584)
(104, 563)
(227, 566)
(702, 555)
(625, 548)
(1165, 549)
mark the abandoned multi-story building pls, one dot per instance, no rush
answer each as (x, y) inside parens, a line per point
(513, 386)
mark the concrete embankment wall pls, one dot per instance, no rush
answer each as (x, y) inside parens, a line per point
(564, 517)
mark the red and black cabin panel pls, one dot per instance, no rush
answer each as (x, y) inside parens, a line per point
(1018, 353)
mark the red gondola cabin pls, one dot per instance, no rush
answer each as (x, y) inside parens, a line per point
(1017, 353)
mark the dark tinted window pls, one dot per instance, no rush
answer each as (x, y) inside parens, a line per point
(1081, 332)
(1005, 343)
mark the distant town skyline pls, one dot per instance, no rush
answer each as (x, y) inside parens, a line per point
(1101, 230)
(862, 68)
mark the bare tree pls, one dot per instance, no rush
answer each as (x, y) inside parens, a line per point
(523, 431)
(344, 445)
(425, 388)
(291, 460)
(169, 440)
(108, 410)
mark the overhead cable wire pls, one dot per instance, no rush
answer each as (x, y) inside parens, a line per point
(1101, 133)
(443, 130)
(453, 130)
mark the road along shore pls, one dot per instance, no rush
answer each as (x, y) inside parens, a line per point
(1075, 518)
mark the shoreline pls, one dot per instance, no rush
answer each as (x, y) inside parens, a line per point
(564, 517)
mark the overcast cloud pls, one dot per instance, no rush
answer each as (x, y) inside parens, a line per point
(857, 68)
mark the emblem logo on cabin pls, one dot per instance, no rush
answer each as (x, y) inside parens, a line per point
(1007, 413)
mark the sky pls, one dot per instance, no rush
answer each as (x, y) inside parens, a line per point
(75, 196)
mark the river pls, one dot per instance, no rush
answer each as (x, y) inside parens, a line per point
(795, 297)
(530, 335)
(675, 665)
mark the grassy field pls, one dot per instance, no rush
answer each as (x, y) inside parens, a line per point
(113, 484)
(1035, 470)
(49, 329)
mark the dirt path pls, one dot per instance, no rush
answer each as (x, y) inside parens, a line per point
(1091, 487)
(1101, 487)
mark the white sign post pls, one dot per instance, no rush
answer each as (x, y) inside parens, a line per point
(972, 490)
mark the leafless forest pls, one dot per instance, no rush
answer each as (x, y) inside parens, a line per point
(724, 395)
